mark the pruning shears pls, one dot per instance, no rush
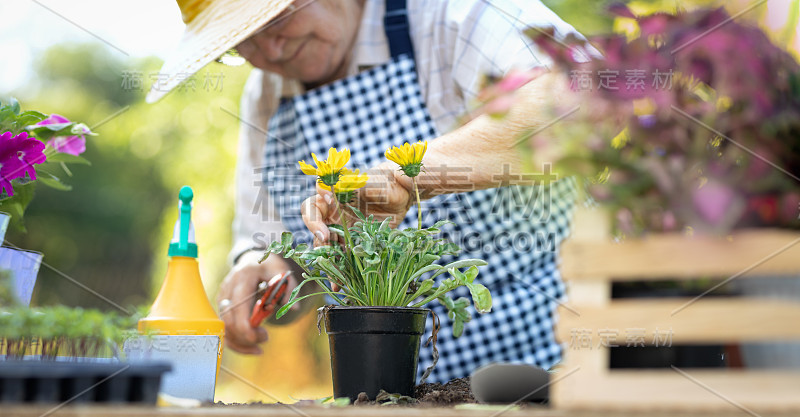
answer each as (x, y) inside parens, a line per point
(269, 294)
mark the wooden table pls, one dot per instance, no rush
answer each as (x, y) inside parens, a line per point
(354, 411)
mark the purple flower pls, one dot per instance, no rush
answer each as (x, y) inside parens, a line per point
(17, 156)
(74, 145)
(621, 10)
(713, 202)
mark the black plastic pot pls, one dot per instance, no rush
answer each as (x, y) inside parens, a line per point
(374, 348)
(31, 381)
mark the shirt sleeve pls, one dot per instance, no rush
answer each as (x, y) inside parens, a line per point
(458, 42)
(256, 222)
(491, 39)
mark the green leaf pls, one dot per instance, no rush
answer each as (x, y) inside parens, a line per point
(29, 117)
(448, 302)
(330, 269)
(440, 223)
(481, 297)
(286, 241)
(470, 274)
(358, 213)
(372, 260)
(464, 263)
(16, 204)
(336, 228)
(275, 247)
(385, 224)
(424, 287)
(14, 104)
(53, 182)
(293, 297)
(68, 158)
(54, 127)
(461, 303)
(426, 269)
(458, 327)
(340, 402)
(33, 113)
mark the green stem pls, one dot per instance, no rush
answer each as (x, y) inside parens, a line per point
(348, 239)
(419, 205)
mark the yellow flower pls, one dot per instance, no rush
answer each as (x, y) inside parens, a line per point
(408, 156)
(621, 139)
(724, 103)
(644, 106)
(350, 181)
(327, 170)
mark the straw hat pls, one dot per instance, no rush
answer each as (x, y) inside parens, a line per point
(212, 27)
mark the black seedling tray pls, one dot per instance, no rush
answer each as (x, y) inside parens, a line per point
(80, 382)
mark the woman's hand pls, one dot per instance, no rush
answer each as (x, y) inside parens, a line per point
(387, 194)
(240, 287)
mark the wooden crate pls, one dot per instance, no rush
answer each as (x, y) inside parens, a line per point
(591, 261)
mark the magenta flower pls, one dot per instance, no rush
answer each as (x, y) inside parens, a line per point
(74, 145)
(17, 156)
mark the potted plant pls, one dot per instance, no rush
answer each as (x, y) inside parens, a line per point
(34, 148)
(381, 278)
(58, 354)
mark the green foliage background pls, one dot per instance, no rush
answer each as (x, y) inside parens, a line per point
(110, 233)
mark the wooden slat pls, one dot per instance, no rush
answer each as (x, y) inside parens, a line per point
(755, 391)
(676, 256)
(589, 293)
(703, 320)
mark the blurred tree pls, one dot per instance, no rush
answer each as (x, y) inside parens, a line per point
(110, 232)
(588, 17)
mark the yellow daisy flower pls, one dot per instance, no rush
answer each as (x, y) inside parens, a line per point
(349, 181)
(408, 156)
(327, 170)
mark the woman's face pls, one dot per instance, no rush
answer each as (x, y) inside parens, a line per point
(312, 43)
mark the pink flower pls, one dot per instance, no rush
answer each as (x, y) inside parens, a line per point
(17, 156)
(74, 145)
(714, 202)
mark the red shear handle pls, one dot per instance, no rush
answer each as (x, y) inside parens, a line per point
(266, 305)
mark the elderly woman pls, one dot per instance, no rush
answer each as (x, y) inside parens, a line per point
(371, 74)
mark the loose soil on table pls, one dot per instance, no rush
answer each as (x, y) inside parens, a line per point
(452, 393)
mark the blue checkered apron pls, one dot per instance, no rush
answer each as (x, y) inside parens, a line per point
(516, 229)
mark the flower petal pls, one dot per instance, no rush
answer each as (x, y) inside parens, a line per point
(73, 145)
(306, 168)
(53, 119)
